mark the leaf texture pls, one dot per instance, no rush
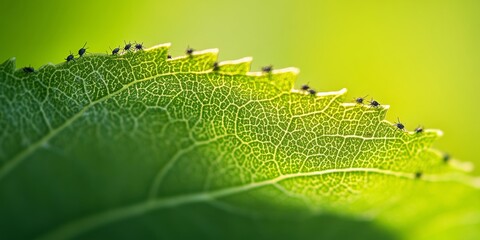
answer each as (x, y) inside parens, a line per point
(90, 145)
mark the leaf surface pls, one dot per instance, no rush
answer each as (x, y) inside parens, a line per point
(141, 145)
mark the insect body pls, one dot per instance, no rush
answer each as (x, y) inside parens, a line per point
(70, 57)
(399, 125)
(115, 51)
(127, 46)
(267, 69)
(139, 46)
(28, 69)
(305, 87)
(82, 50)
(360, 100)
(446, 157)
(216, 67)
(312, 92)
(374, 103)
(418, 175)
(419, 129)
(189, 51)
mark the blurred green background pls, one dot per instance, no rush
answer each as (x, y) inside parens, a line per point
(420, 57)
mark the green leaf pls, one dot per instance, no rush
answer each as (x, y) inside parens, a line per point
(140, 146)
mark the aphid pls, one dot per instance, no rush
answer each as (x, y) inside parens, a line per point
(418, 175)
(169, 56)
(189, 51)
(28, 69)
(419, 129)
(446, 157)
(374, 103)
(70, 57)
(399, 125)
(82, 50)
(127, 46)
(139, 46)
(267, 69)
(216, 67)
(115, 51)
(305, 87)
(312, 92)
(360, 100)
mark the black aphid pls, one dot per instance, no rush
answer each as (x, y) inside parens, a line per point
(267, 69)
(418, 175)
(216, 67)
(399, 125)
(82, 50)
(28, 69)
(189, 51)
(115, 51)
(127, 47)
(360, 100)
(374, 103)
(446, 157)
(312, 92)
(70, 57)
(169, 56)
(305, 87)
(419, 129)
(139, 46)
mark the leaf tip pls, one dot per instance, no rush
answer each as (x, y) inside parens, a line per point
(292, 70)
(289, 70)
(163, 45)
(463, 166)
(238, 66)
(9, 65)
(236, 61)
(243, 60)
(437, 132)
(206, 51)
(339, 92)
